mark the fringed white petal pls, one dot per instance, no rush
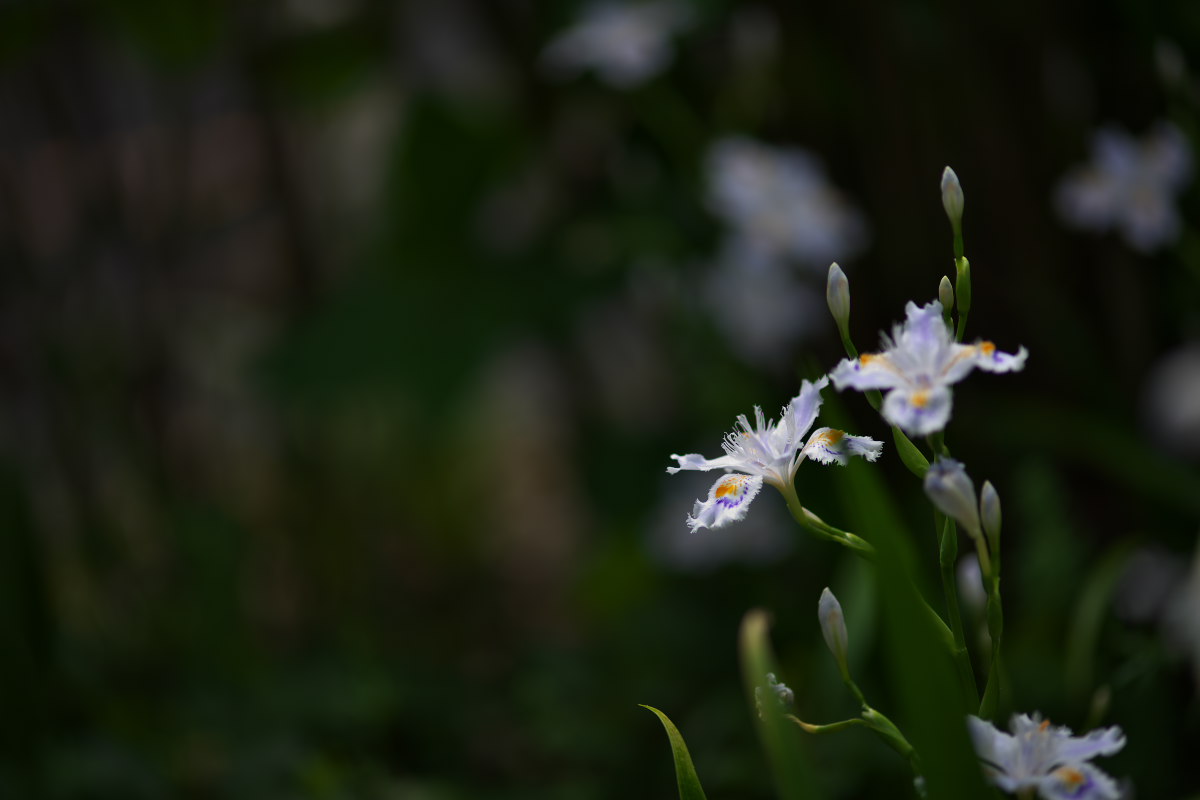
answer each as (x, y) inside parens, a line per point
(918, 412)
(728, 501)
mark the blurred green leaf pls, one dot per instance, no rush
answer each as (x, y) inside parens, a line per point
(685, 771)
(919, 665)
(793, 775)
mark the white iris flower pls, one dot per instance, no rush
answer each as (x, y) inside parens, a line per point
(918, 365)
(1130, 186)
(780, 201)
(1045, 757)
(625, 44)
(769, 451)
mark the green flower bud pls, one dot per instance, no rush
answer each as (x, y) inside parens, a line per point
(952, 197)
(989, 509)
(833, 628)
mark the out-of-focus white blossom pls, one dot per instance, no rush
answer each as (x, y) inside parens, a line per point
(1129, 186)
(759, 305)
(918, 365)
(625, 44)
(1046, 758)
(1171, 401)
(780, 201)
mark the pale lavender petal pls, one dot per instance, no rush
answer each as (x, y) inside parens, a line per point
(918, 412)
(992, 360)
(1078, 782)
(695, 461)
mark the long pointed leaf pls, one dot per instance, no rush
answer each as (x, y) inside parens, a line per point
(685, 771)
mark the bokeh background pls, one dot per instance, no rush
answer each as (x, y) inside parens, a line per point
(344, 343)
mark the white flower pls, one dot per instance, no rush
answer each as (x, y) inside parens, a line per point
(769, 451)
(918, 364)
(760, 305)
(1129, 186)
(625, 44)
(1047, 758)
(780, 200)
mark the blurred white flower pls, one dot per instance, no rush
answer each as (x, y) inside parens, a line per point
(1171, 401)
(1046, 758)
(625, 44)
(1181, 618)
(760, 306)
(1129, 186)
(781, 203)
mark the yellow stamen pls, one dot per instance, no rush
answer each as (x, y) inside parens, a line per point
(1072, 777)
(920, 399)
(730, 485)
(987, 348)
(867, 358)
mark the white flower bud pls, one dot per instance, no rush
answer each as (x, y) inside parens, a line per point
(989, 509)
(833, 628)
(837, 295)
(946, 294)
(950, 488)
(952, 197)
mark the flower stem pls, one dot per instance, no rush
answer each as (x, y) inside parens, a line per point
(814, 524)
(947, 554)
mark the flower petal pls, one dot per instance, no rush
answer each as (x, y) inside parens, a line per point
(803, 408)
(918, 412)
(992, 360)
(728, 501)
(831, 446)
(868, 371)
(695, 461)
(1100, 742)
(1078, 782)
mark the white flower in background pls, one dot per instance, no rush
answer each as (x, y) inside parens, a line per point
(1171, 401)
(1181, 619)
(780, 201)
(918, 364)
(1130, 186)
(769, 451)
(1048, 759)
(625, 44)
(758, 304)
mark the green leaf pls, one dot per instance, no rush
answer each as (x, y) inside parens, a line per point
(913, 458)
(685, 771)
(780, 737)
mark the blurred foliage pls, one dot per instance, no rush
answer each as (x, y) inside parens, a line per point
(344, 349)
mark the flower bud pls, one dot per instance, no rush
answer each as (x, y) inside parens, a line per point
(946, 294)
(783, 696)
(952, 197)
(953, 493)
(837, 295)
(833, 628)
(989, 509)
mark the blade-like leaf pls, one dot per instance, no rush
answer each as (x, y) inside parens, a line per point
(685, 771)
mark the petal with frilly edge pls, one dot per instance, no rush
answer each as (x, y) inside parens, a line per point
(831, 446)
(992, 360)
(1100, 742)
(1078, 782)
(918, 412)
(728, 501)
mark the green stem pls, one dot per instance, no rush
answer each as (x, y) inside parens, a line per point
(947, 555)
(814, 524)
